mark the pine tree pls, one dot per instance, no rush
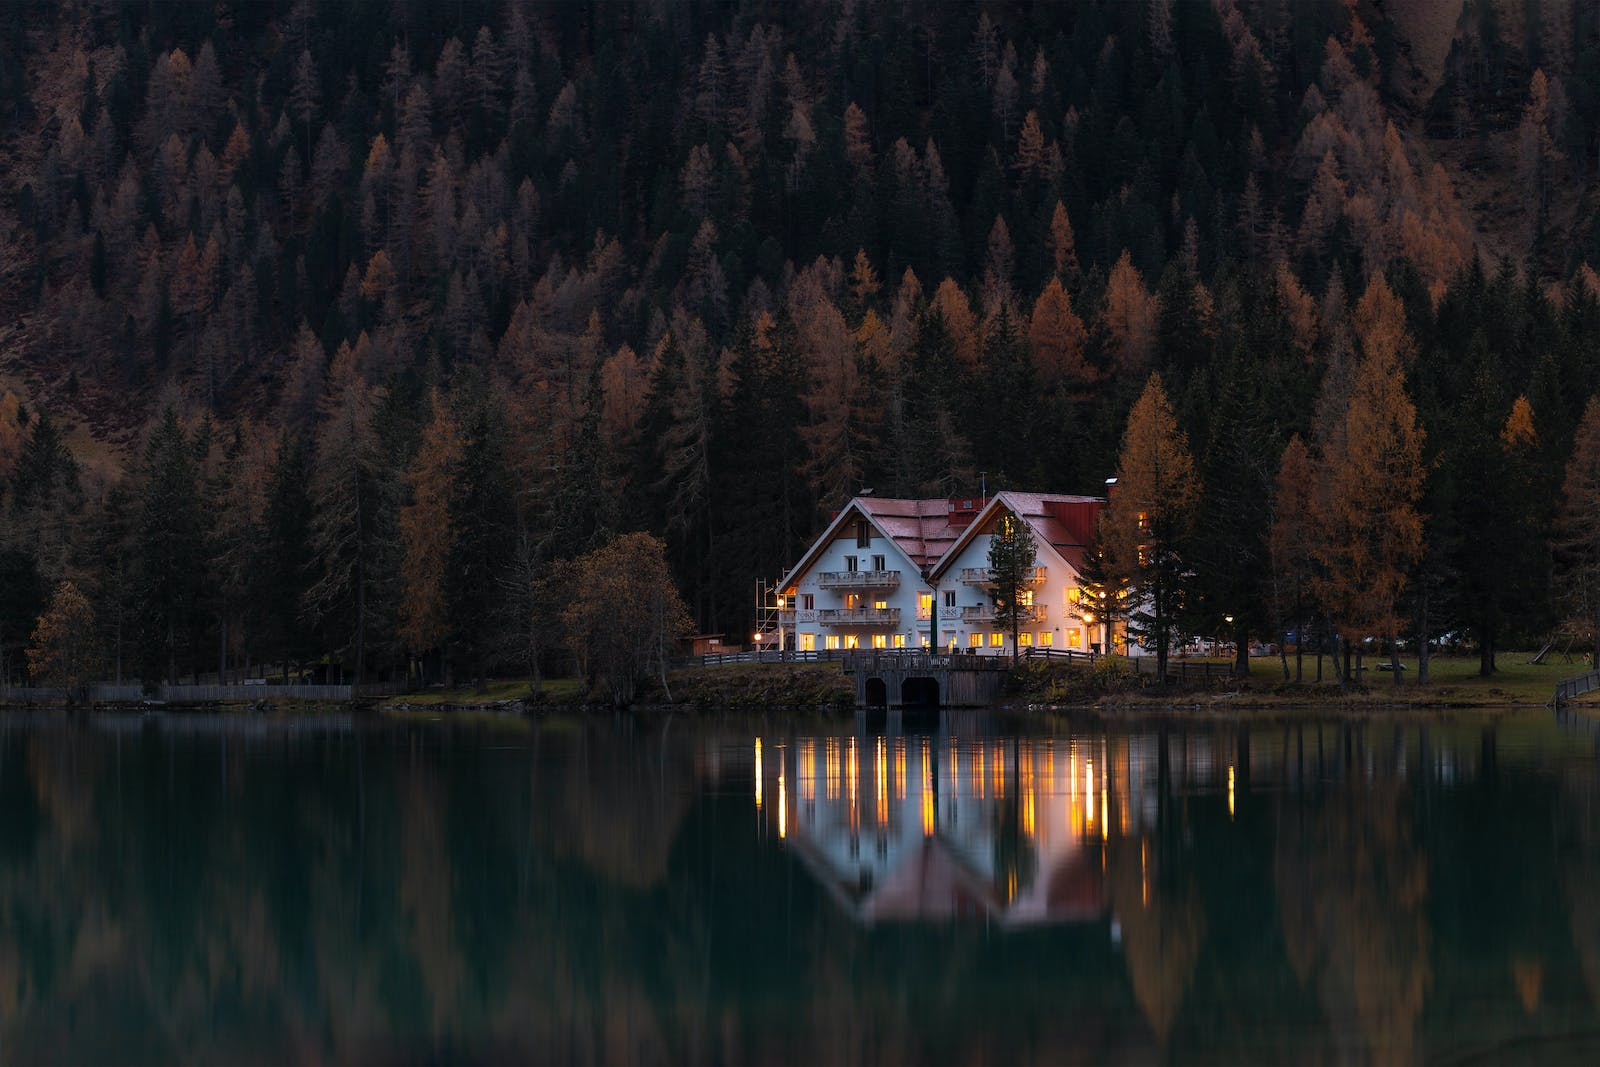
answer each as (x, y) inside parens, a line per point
(483, 525)
(426, 533)
(283, 560)
(170, 542)
(1013, 554)
(1577, 531)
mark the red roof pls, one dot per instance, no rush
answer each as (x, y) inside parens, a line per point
(927, 529)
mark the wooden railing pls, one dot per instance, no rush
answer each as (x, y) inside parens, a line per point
(858, 579)
(858, 616)
(1068, 655)
(1569, 688)
(985, 575)
(788, 655)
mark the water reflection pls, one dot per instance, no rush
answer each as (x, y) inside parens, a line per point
(253, 889)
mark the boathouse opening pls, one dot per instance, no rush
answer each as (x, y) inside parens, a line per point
(877, 693)
(918, 693)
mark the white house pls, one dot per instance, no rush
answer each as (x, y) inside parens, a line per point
(885, 568)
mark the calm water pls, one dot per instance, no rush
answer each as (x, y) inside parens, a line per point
(204, 889)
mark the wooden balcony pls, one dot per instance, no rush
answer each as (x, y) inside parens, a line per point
(985, 575)
(984, 613)
(859, 616)
(858, 579)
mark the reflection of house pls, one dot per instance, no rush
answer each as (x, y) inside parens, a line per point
(931, 828)
(883, 568)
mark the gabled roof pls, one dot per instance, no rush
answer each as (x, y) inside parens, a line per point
(920, 529)
(1065, 523)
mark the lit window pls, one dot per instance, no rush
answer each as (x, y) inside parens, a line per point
(1046, 638)
(808, 642)
(1025, 598)
(899, 640)
(831, 642)
(924, 605)
(852, 641)
(1024, 639)
(881, 605)
(997, 640)
(852, 601)
(1074, 638)
(974, 640)
(1074, 595)
(880, 641)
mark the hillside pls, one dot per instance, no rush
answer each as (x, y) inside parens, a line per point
(717, 267)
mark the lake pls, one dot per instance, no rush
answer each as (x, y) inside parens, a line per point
(760, 889)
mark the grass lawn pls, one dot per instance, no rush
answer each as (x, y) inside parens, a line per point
(1451, 679)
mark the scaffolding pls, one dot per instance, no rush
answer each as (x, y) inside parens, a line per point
(768, 629)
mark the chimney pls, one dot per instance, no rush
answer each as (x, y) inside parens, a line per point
(1111, 489)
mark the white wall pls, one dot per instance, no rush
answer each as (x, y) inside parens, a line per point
(1050, 594)
(903, 596)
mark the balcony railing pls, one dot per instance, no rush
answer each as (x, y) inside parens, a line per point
(858, 579)
(859, 616)
(985, 575)
(985, 613)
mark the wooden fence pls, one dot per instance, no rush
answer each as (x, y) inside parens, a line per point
(1569, 688)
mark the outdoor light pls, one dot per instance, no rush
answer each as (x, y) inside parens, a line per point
(780, 603)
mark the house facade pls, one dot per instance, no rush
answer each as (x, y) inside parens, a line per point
(906, 573)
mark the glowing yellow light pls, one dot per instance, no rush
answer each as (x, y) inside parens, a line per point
(900, 769)
(1144, 874)
(783, 808)
(977, 771)
(882, 791)
(1088, 791)
(1105, 823)
(758, 774)
(999, 773)
(781, 602)
(808, 769)
(1088, 618)
(1230, 791)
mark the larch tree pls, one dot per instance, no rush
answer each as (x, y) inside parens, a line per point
(623, 614)
(1150, 516)
(1063, 245)
(1013, 554)
(1370, 525)
(426, 534)
(1057, 336)
(1129, 317)
(66, 648)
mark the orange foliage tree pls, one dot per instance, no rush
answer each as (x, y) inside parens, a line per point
(426, 533)
(65, 646)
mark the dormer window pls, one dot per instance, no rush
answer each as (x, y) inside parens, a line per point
(863, 535)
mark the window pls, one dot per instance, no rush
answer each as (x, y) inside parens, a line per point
(881, 640)
(1074, 595)
(831, 642)
(949, 598)
(808, 642)
(1046, 638)
(863, 535)
(1025, 597)
(852, 563)
(881, 605)
(974, 640)
(1024, 639)
(1075, 638)
(924, 605)
(879, 563)
(852, 641)
(899, 640)
(852, 601)
(808, 601)
(997, 640)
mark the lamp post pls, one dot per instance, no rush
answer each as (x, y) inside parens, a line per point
(781, 602)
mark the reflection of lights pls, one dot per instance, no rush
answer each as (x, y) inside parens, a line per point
(808, 769)
(882, 792)
(1144, 873)
(1230, 791)
(783, 806)
(1105, 823)
(977, 771)
(758, 774)
(900, 769)
(1088, 791)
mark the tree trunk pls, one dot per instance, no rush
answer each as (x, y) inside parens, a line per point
(1394, 657)
(1486, 652)
(1422, 637)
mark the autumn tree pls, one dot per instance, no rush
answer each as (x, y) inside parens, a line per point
(426, 535)
(65, 649)
(1150, 517)
(1370, 528)
(623, 614)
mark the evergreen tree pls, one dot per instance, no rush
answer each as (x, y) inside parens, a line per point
(170, 546)
(1013, 555)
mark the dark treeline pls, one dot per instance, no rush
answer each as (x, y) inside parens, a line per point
(332, 328)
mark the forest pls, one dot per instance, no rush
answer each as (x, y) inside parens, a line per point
(333, 332)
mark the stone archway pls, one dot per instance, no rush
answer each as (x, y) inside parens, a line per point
(920, 693)
(877, 693)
